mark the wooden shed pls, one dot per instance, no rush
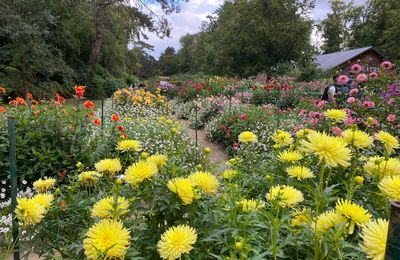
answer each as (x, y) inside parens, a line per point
(368, 57)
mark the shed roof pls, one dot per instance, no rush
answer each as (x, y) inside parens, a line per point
(331, 60)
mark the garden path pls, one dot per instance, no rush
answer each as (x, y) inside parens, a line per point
(218, 155)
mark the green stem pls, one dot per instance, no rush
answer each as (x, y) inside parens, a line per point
(276, 233)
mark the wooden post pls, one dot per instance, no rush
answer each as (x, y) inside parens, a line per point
(14, 184)
(393, 238)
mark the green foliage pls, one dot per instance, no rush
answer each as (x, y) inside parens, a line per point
(49, 140)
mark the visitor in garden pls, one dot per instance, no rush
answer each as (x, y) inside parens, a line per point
(331, 90)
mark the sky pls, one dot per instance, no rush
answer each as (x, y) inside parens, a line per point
(194, 12)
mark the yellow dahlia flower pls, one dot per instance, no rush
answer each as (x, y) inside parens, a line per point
(107, 239)
(389, 141)
(354, 213)
(374, 235)
(300, 217)
(229, 174)
(302, 133)
(176, 241)
(184, 188)
(390, 187)
(286, 196)
(207, 182)
(44, 199)
(43, 185)
(108, 166)
(328, 220)
(379, 166)
(250, 205)
(158, 159)
(29, 211)
(358, 138)
(140, 171)
(282, 139)
(129, 145)
(89, 177)
(299, 172)
(336, 115)
(110, 207)
(290, 156)
(331, 150)
(247, 137)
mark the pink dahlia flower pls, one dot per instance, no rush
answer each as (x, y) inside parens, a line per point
(342, 79)
(351, 100)
(356, 68)
(362, 77)
(391, 117)
(373, 75)
(386, 65)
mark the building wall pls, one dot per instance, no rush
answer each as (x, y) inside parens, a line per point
(369, 60)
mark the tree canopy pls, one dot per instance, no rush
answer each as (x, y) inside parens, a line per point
(47, 46)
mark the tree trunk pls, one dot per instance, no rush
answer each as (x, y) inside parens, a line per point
(98, 40)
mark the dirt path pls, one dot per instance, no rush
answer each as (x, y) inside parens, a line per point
(218, 155)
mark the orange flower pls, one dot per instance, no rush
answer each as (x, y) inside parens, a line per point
(88, 104)
(2, 109)
(63, 173)
(20, 101)
(28, 95)
(115, 118)
(2, 90)
(62, 204)
(79, 91)
(60, 99)
(97, 121)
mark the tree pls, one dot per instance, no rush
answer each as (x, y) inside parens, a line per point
(138, 20)
(249, 36)
(335, 27)
(377, 24)
(168, 62)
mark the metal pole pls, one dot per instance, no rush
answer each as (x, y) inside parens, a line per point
(279, 107)
(102, 112)
(393, 238)
(14, 186)
(195, 111)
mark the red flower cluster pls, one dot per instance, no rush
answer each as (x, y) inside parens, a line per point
(121, 128)
(21, 101)
(60, 100)
(79, 91)
(2, 90)
(88, 104)
(243, 117)
(29, 95)
(115, 118)
(97, 121)
(2, 109)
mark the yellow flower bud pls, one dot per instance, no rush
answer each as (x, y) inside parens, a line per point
(359, 180)
(119, 181)
(144, 155)
(207, 150)
(173, 130)
(79, 164)
(239, 246)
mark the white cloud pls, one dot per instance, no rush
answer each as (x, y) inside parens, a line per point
(188, 20)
